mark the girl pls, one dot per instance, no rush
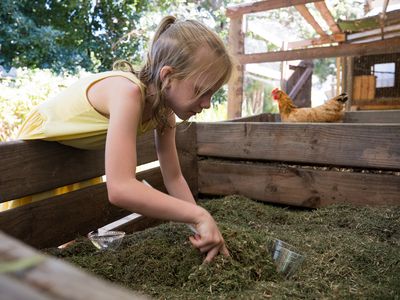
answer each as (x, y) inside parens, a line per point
(186, 64)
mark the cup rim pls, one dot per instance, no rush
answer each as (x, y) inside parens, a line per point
(99, 235)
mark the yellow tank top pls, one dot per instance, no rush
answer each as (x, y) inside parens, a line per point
(70, 119)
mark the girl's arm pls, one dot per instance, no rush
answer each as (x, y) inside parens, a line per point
(124, 190)
(169, 163)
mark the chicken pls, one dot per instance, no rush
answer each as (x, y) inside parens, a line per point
(331, 111)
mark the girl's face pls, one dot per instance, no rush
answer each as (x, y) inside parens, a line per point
(184, 97)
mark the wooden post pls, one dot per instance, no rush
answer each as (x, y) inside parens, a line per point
(235, 87)
(349, 80)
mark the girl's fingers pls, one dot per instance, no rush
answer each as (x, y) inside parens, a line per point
(211, 254)
(224, 250)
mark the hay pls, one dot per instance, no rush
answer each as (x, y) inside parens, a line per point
(351, 252)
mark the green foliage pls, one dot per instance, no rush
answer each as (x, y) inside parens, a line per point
(69, 35)
(66, 35)
(257, 97)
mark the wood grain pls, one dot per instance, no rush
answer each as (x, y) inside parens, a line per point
(57, 220)
(387, 46)
(353, 145)
(186, 143)
(297, 186)
(52, 278)
(29, 167)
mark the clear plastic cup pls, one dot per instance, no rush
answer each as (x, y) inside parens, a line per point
(285, 257)
(106, 240)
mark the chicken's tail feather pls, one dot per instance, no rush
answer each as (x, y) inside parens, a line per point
(343, 97)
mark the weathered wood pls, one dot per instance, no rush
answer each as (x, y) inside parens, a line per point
(329, 39)
(57, 220)
(52, 278)
(373, 22)
(247, 8)
(263, 117)
(327, 16)
(303, 79)
(302, 9)
(13, 289)
(297, 186)
(357, 145)
(235, 87)
(37, 166)
(373, 116)
(376, 47)
(187, 151)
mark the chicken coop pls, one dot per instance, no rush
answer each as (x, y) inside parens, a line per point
(366, 53)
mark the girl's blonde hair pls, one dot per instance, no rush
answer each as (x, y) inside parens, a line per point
(175, 44)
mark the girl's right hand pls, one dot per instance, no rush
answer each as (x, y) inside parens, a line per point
(209, 239)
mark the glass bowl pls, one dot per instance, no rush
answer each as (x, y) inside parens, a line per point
(106, 240)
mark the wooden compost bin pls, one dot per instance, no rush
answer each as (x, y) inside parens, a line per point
(302, 164)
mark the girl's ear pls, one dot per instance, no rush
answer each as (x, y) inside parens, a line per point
(165, 72)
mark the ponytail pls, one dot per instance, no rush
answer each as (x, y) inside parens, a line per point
(166, 22)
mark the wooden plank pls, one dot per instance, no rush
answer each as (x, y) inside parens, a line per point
(377, 116)
(301, 82)
(329, 39)
(253, 7)
(327, 16)
(346, 144)
(53, 278)
(376, 47)
(13, 289)
(37, 166)
(302, 9)
(349, 79)
(57, 220)
(374, 116)
(297, 186)
(186, 143)
(373, 22)
(235, 87)
(373, 33)
(263, 117)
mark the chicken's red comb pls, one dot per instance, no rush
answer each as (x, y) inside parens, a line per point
(275, 93)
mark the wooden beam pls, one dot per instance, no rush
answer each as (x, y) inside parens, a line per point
(373, 33)
(302, 9)
(52, 278)
(253, 7)
(346, 144)
(235, 87)
(392, 18)
(373, 116)
(80, 211)
(383, 17)
(29, 167)
(294, 185)
(326, 14)
(329, 39)
(377, 47)
(302, 80)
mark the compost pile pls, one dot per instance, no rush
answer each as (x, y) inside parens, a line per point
(351, 252)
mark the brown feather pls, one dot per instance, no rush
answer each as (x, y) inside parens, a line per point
(331, 111)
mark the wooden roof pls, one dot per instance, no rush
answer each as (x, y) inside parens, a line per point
(373, 35)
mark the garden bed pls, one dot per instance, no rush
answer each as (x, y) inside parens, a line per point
(350, 252)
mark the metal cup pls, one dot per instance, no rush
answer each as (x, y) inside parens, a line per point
(286, 258)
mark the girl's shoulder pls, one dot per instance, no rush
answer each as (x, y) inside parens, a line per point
(93, 78)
